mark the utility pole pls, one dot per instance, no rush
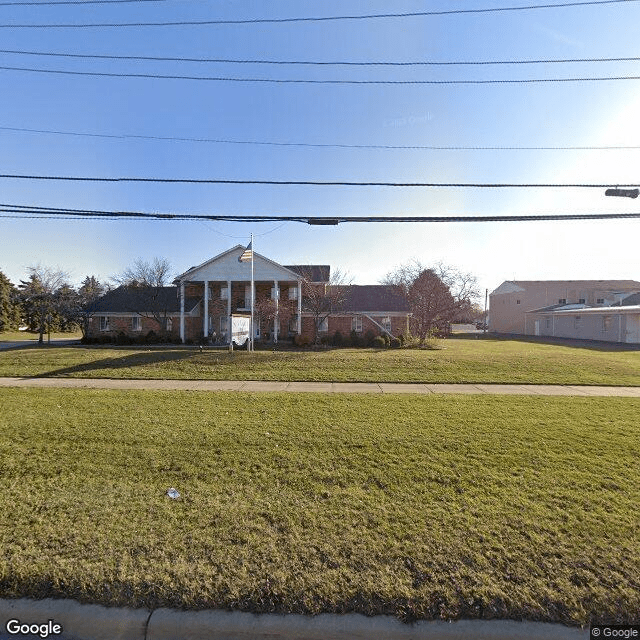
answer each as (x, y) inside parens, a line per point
(484, 324)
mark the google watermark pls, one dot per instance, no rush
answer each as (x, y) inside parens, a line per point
(45, 630)
(615, 631)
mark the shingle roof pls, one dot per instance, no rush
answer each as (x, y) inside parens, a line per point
(607, 283)
(125, 299)
(311, 272)
(631, 300)
(374, 297)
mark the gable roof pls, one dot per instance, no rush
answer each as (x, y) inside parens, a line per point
(516, 286)
(374, 297)
(138, 300)
(312, 272)
(229, 267)
(631, 300)
(507, 287)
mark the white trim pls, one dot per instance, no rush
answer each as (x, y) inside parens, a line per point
(597, 310)
(205, 319)
(187, 274)
(182, 311)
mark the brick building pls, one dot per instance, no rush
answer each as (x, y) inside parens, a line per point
(288, 301)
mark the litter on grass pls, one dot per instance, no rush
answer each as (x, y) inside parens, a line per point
(172, 493)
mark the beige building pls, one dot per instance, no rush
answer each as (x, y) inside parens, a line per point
(618, 323)
(512, 301)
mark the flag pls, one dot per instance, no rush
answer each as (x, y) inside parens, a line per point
(247, 254)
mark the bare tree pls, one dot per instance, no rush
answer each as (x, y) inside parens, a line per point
(463, 286)
(39, 296)
(324, 299)
(266, 309)
(147, 283)
(432, 304)
(436, 295)
(150, 275)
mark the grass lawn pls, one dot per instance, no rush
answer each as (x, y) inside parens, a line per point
(418, 507)
(459, 360)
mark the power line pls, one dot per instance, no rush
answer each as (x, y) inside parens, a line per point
(353, 63)
(316, 18)
(158, 76)
(73, 2)
(321, 145)
(58, 214)
(317, 183)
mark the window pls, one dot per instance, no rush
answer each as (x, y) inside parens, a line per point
(606, 323)
(517, 301)
(247, 297)
(547, 323)
(562, 301)
(104, 323)
(293, 293)
(386, 323)
(323, 327)
(168, 324)
(600, 301)
(581, 301)
(275, 293)
(224, 324)
(356, 324)
(224, 293)
(136, 323)
(293, 323)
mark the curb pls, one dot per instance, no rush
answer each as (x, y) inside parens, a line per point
(95, 622)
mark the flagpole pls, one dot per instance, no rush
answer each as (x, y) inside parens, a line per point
(252, 296)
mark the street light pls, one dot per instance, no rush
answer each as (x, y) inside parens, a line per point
(622, 193)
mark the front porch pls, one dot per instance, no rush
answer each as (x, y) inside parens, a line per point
(223, 285)
(277, 309)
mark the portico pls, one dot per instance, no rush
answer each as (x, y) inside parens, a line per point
(224, 286)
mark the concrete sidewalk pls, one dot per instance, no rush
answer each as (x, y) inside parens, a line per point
(94, 622)
(324, 387)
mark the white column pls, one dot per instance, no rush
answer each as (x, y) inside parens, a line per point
(182, 311)
(276, 319)
(229, 311)
(205, 322)
(299, 306)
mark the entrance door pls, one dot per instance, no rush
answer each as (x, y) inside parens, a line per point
(632, 334)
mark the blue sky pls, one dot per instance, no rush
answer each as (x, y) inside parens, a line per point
(537, 114)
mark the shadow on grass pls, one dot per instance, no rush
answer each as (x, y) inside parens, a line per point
(590, 345)
(150, 358)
